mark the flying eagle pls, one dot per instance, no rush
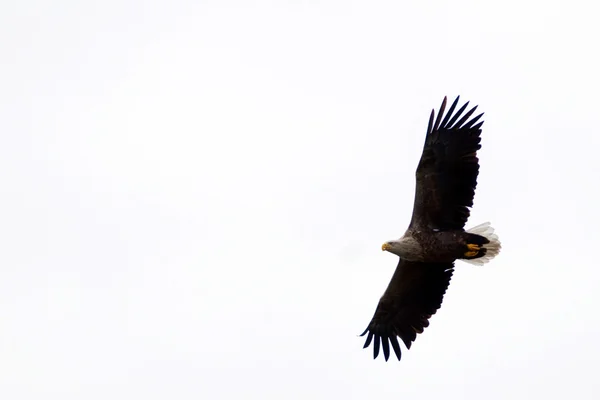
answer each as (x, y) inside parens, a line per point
(446, 180)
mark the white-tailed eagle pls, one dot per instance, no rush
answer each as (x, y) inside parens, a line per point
(446, 180)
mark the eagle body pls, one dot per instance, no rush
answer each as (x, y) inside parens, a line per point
(446, 178)
(441, 246)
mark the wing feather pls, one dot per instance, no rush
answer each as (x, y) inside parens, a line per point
(439, 117)
(396, 346)
(430, 125)
(368, 341)
(386, 347)
(449, 114)
(458, 113)
(464, 118)
(469, 124)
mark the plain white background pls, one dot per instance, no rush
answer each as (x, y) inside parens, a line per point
(193, 196)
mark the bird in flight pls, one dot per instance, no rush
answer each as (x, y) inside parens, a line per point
(446, 180)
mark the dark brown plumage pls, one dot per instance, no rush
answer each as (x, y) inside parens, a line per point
(448, 169)
(446, 179)
(413, 295)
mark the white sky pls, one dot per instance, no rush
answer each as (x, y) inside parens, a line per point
(194, 195)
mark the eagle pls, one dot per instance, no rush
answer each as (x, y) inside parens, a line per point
(446, 179)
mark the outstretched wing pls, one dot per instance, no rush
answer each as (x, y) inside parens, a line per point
(414, 294)
(448, 169)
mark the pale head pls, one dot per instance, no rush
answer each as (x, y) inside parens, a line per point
(393, 246)
(405, 247)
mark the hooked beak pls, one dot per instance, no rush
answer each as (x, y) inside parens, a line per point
(385, 247)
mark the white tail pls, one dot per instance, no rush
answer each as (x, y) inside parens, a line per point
(492, 248)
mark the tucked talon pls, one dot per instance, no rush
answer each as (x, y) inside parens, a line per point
(473, 250)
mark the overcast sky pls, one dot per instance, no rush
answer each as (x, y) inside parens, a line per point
(194, 195)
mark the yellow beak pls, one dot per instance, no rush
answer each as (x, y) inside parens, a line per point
(385, 247)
